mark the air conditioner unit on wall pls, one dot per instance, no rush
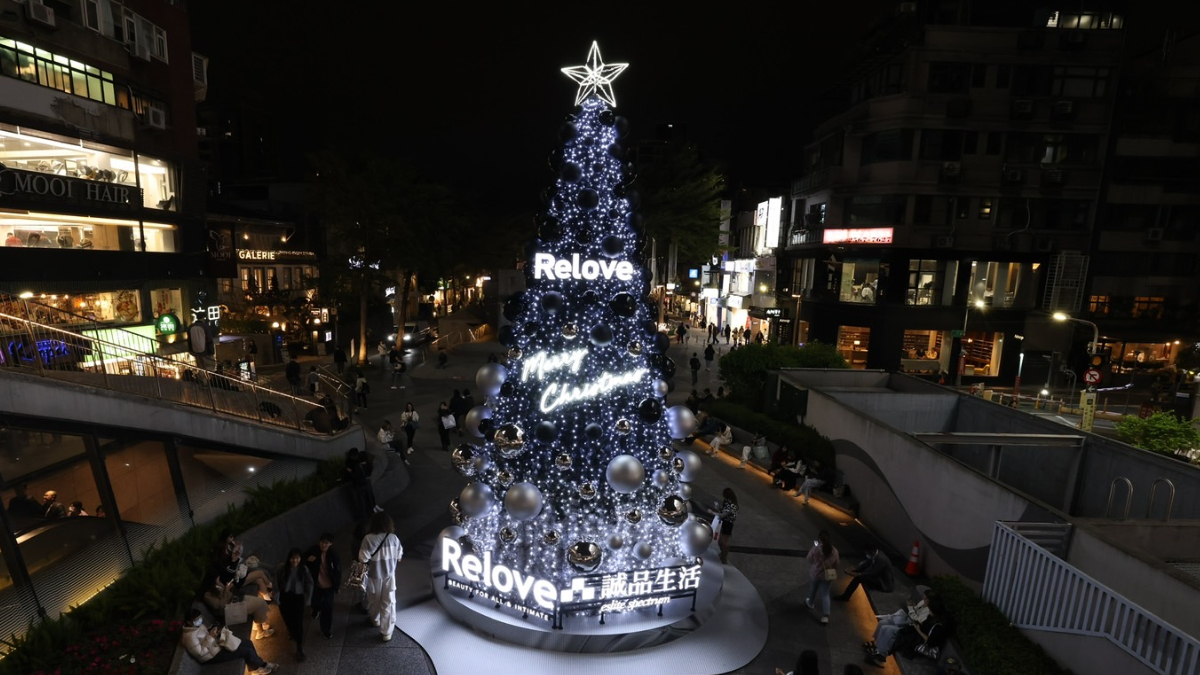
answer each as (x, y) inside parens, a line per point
(39, 13)
(156, 117)
(943, 241)
(1043, 244)
(139, 50)
(1154, 234)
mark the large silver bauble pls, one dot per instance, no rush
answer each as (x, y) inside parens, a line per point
(615, 541)
(661, 478)
(695, 536)
(685, 491)
(490, 377)
(680, 421)
(624, 426)
(452, 532)
(686, 465)
(584, 556)
(643, 550)
(551, 537)
(505, 478)
(588, 490)
(476, 499)
(625, 474)
(665, 453)
(633, 517)
(510, 440)
(570, 331)
(463, 459)
(523, 501)
(507, 535)
(482, 463)
(661, 388)
(473, 417)
(563, 462)
(672, 511)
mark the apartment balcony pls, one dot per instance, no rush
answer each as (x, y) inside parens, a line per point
(57, 108)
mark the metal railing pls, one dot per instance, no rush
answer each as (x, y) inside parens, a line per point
(93, 360)
(1036, 590)
(450, 340)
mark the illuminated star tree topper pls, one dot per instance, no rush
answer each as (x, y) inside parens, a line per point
(596, 77)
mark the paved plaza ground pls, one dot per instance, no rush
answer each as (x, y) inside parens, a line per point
(774, 531)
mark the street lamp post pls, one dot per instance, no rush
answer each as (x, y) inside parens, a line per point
(962, 343)
(1095, 346)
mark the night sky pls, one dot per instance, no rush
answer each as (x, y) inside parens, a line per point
(474, 97)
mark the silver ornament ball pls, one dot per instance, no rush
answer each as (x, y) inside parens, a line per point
(463, 459)
(625, 474)
(673, 511)
(473, 417)
(624, 426)
(695, 536)
(615, 541)
(584, 556)
(507, 535)
(490, 378)
(680, 421)
(523, 501)
(476, 499)
(588, 491)
(643, 550)
(563, 462)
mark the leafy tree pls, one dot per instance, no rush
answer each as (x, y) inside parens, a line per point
(681, 203)
(384, 225)
(1161, 432)
(745, 369)
(681, 200)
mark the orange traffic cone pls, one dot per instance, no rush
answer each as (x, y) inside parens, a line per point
(913, 568)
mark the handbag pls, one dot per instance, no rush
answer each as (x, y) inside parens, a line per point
(357, 578)
(414, 423)
(228, 640)
(448, 421)
(830, 574)
(716, 526)
(235, 613)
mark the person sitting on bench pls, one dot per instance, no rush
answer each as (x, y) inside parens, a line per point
(875, 571)
(724, 436)
(757, 447)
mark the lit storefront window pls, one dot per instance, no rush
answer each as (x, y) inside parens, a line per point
(853, 344)
(63, 231)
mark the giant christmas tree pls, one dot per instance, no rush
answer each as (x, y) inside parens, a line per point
(576, 493)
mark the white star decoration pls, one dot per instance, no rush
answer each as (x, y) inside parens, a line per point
(596, 77)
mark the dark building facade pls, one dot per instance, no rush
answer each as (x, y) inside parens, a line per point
(950, 208)
(102, 190)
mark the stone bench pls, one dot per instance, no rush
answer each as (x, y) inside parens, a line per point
(918, 665)
(742, 438)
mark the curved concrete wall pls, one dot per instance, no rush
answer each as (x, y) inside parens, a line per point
(910, 492)
(22, 394)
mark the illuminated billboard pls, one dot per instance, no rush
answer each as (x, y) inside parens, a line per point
(870, 235)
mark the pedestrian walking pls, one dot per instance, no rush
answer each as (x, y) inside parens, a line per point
(381, 552)
(457, 408)
(358, 471)
(446, 422)
(295, 584)
(326, 570)
(314, 380)
(361, 389)
(822, 572)
(695, 364)
(394, 356)
(709, 355)
(468, 402)
(410, 421)
(746, 336)
(339, 359)
(687, 334)
(383, 350)
(679, 331)
(727, 332)
(292, 373)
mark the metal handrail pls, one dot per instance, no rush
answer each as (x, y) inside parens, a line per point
(1112, 490)
(92, 361)
(1170, 498)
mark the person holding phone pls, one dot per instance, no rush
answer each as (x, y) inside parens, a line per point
(208, 645)
(822, 571)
